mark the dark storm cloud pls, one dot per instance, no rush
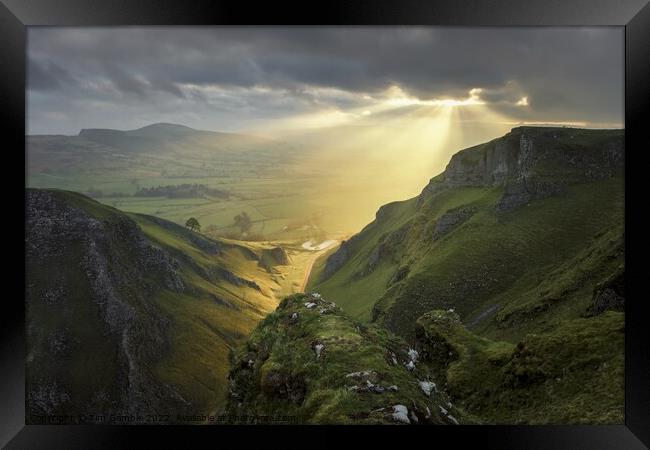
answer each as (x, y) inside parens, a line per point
(47, 75)
(566, 74)
(141, 86)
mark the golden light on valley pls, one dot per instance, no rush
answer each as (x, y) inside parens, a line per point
(385, 150)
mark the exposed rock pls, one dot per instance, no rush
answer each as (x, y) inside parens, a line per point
(106, 255)
(318, 349)
(400, 275)
(276, 256)
(514, 161)
(437, 346)
(280, 255)
(388, 248)
(451, 219)
(521, 191)
(608, 295)
(427, 387)
(607, 299)
(58, 342)
(489, 311)
(222, 302)
(400, 414)
(375, 256)
(336, 260)
(374, 388)
(46, 398)
(220, 272)
(348, 360)
(366, 376)
(277, 384)
(245, 363)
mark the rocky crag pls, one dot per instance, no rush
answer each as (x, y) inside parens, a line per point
(105, 320)
(522, 236)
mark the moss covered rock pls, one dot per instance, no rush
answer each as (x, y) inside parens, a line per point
(309, 362)
(573, 374)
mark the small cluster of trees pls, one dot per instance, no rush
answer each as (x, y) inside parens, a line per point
(182, 191)
(98, 193)
(169, 191)
(244, 222)
(193, 224)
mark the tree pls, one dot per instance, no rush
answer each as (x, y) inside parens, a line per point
(193, 224)
(243, 222)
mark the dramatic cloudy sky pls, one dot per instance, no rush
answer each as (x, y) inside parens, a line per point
(242, 78)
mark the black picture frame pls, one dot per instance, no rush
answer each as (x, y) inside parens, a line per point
(16, 15)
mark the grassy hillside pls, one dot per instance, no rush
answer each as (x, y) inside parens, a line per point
(454, 247)
(494, 267)
(523, 238)
(136, 298)
(573, 374)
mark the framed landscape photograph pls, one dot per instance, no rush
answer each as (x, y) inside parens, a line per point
(371, 218)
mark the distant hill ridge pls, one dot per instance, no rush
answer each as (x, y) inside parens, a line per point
(156, 131)
(159, 130)
(154, 151)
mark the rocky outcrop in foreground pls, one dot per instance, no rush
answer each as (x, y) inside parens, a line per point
(308, 362)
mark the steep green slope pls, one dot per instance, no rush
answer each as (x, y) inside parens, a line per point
(309, 362)
(523, 226)
(521, 241)
(572, 374)
(129, 313)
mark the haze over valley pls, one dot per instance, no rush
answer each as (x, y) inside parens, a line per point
(330, 226)
(333, 179)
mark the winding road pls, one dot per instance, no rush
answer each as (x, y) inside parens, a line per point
(310, 265)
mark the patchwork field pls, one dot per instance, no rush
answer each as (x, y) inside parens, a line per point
(290, 190)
